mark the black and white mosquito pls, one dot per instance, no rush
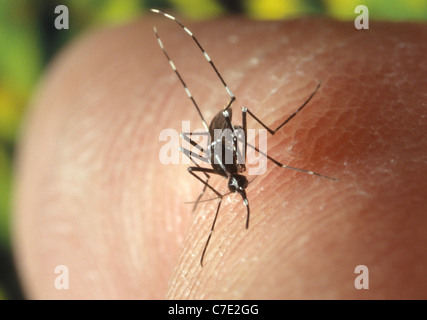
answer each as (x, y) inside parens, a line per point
(219, 146)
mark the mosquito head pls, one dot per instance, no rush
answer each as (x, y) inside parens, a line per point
(237, 183)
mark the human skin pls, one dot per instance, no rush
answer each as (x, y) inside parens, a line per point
(92, 195)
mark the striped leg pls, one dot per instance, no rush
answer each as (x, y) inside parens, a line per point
(189, 155)
(192, 171)
(187, 137)
(208, 59)
(277, 163)
(272, 132)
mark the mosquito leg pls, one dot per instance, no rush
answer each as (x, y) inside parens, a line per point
(210, 199)
(186, 137)
(201, 193)
(208, 59)
(196, 133)
(181, 79)
(210, 233)
(272, 132)
(192, 171)
(277, 163)
(204, 188)
(189, 155)
(192, 142)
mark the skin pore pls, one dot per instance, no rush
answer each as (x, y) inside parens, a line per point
(92, 195)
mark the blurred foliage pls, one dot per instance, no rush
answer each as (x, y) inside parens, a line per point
(277, 9)
(28, 40)
(5, 178)
(199, 9)
(394, 10)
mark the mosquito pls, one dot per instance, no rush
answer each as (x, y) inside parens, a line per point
(221, 145)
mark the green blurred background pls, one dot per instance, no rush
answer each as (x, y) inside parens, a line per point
(28, 41)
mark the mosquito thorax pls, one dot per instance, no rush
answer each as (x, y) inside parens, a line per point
(237, 183)
(219, 122)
